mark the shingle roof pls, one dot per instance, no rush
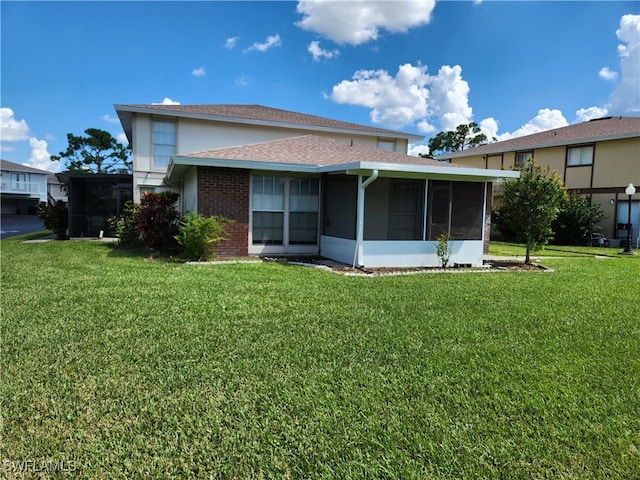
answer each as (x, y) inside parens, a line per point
(16, 167)
(609, 128)
(261, 114)
(313, 150)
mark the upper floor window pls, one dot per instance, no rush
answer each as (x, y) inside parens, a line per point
(164, 142)
(577, 156)
(385, 144)
(522, 158)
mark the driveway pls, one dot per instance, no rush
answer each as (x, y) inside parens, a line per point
(11, 225)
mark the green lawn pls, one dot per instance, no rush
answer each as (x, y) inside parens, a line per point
(118, 367)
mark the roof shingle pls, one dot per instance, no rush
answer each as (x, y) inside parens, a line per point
(609, 128)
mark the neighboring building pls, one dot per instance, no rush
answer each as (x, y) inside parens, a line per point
(55, 189)
(22, 188)
(302, 184)
(93, 199)
(598, 158)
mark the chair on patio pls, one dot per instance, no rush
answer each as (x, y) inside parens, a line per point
(598, 240)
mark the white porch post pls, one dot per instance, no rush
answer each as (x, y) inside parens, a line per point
(362, 186)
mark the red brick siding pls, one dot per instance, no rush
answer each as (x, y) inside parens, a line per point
(225, 191)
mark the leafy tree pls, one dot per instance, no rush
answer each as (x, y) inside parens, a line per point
(529, 205)
(577, 220)
(55, 218)
(97, 152)
(125, 225)
(464, 136)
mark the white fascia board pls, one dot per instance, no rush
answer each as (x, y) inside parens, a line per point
(266, 123)
(178, 160)
(432, 171)
(427, 170)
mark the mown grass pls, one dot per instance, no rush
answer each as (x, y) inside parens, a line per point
(519, 250)
(145, 369)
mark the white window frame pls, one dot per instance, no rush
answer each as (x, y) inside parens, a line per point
(584, 155)
(286, 247)
(155, 121)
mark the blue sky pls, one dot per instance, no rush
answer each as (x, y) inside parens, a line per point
(418, 66)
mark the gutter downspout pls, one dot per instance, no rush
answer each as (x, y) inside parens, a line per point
(357, 254)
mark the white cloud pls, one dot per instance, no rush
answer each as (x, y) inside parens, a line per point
(625, 98)
(11, 129)
(546, 119)
(242, 81)
(167, 101)
(122, 138)
(416, 149)
(271, 41)
(318, 53)
(607, 74)
(40, 157)
(489, 126)
(359, 21)
(231, 42)
(110, 119)
(199, 72)
(450, 97)
(411, 97)
(394, 101)
(586, 114)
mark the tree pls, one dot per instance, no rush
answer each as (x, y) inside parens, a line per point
(158, 220)
(464, 136)
(529, 205)
(97, 152)
(577, 220)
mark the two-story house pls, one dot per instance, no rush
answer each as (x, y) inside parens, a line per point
(598, 158)
(302, 184)
(22, 188)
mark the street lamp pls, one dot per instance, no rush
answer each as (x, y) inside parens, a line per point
(630, 190)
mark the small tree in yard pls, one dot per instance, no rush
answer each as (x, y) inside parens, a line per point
(529, 205)
(199, 234)
(443, 249)
(55, 218)
(577, 220)
(126, 226)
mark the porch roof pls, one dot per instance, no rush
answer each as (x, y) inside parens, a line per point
(316, 154)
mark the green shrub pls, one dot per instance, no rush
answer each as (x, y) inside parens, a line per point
(443, 248)
(199, 234)
(576, 220)
(125, 226)
(55, 218)
(158, 220)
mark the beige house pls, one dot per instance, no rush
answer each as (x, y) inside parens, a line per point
(598, 158)
(301, 184)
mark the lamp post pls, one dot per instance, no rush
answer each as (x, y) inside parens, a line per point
(630, 190)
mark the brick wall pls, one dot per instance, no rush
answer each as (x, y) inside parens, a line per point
(487, 219)
(225, 191)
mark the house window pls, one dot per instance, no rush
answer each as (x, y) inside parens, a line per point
(304, 198)
(577, 156)
(284, 210)
(389, 145)
(522, 158)
(164, 142)
(267, 202)
(19, 182)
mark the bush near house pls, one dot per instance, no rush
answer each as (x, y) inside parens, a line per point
(125, 226)
(55, 218)
(199, 234)
(158, 220)
(576, 220)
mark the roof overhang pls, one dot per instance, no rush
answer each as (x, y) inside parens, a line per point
(125, 114)
(180, 164)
